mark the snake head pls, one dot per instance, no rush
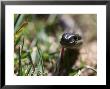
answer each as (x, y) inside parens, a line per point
(71, 40)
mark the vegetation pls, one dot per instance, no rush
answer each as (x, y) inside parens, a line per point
(37, 43)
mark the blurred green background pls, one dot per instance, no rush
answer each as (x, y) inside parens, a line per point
(37, 41)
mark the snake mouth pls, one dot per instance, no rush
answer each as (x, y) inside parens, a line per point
(70, 40)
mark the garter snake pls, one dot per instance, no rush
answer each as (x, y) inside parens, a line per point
(71, 44)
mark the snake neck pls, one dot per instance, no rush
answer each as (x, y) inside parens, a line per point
(68, 60)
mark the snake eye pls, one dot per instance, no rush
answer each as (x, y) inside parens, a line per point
(75, 38)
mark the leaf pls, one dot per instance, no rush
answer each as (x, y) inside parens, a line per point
(21, 28)
(18, 33)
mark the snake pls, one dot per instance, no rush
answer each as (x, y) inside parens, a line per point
(71, 44)
(71, 41)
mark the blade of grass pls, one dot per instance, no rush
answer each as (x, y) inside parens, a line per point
(22, 42)
(30, 59)
(41, 58)
(19, 33)
(17, 17)
(20, 29)
(16, 40)
(28, 71)
(20, 66)
(18, 21)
